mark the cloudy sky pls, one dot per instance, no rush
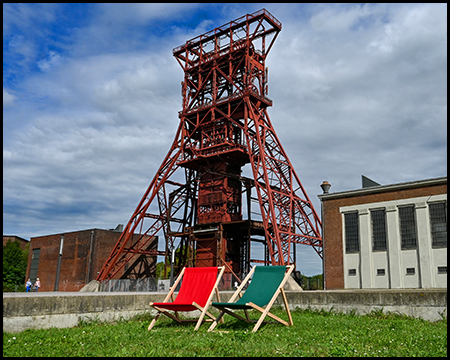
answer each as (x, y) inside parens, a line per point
(91, 94)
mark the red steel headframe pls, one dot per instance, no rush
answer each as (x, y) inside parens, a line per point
(224, 124)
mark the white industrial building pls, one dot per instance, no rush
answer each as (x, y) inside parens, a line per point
(386, 237)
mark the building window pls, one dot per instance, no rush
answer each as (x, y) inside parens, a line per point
(351, 272)
(351, 232)
(408, 227)
(378, 218)
(381, 272)
(438, 221)
(442, 269)
(34, 264)
(410, 271)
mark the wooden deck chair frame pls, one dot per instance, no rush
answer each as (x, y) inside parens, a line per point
(204, 310)
(264, 311)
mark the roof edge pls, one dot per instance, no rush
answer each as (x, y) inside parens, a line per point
(382, 188)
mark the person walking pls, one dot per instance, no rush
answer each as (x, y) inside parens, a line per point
(28, 285)
(37, 285)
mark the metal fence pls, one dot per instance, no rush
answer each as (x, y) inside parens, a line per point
(151, 284)
(130, 285)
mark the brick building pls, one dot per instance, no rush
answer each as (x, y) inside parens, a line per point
(23, 242)
(390, 236)
(83, 254)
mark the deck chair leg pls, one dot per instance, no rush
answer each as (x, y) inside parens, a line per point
(199, 322)
(246, 315)
(261, 318)
(291, 322)
(266, 311)
(215, 322)
(162, 311)
(202, 315)
(261, 310)
(218, 300)
(260, 321)
(154, 321)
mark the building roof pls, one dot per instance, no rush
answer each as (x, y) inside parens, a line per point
(384, 188)
(15, 237)
(118, 229)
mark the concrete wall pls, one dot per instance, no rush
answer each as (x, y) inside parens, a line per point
(23, 311)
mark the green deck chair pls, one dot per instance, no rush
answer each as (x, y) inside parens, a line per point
(263, 290)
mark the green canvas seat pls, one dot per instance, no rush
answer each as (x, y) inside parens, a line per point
(265, 286)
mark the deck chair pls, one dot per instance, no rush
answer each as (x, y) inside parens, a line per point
(267, 283)
(196, 292)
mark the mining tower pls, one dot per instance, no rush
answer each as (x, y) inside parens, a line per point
(199, 194)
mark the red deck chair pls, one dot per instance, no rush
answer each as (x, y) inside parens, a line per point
(196, 292)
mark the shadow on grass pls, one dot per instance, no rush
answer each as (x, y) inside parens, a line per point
(230, 323)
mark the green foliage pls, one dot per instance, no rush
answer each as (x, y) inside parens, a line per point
(160, 270)
(312, 282)
(314, 333)
(160, 266)
(14, 266)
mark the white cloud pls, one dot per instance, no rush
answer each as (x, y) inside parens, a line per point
(51, 60)
(337, 19)
(8, 99)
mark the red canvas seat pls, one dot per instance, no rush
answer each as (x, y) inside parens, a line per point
(197, 288)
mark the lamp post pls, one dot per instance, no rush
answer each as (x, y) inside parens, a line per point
(171, 267)
(325, 188)
(58, 266)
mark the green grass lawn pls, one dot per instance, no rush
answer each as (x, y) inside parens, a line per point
(315, 333)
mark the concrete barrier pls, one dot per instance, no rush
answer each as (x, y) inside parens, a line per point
(23, 311)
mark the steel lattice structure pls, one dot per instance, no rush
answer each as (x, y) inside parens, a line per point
(224, 125)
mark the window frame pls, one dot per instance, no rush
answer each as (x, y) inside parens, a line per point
(381, 231)
(434, 222)
(352, 245)
(407, 227)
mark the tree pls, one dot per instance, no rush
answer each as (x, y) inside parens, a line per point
(160, 266)
(316, 282)
(160, 270)
(312, 282)
(14, 265)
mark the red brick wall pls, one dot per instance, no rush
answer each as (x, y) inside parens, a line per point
(332, 226)
(75, 257)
